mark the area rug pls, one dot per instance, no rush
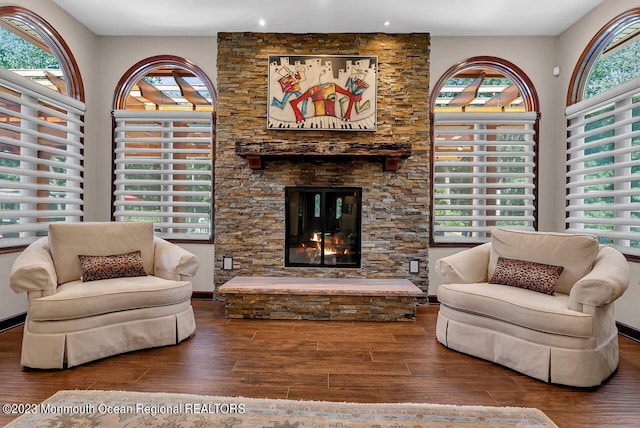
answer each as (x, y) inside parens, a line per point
(91, 408)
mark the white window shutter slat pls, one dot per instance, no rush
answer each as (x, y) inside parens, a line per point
(484, 174)
(41, 159)
(603, 155)
(163, 171)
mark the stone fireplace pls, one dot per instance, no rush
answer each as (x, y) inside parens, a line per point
(369, 189)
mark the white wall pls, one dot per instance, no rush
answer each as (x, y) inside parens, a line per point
(10, 303)
(536, 57)
(570, 46)
(116, 56)
(82, 44)
(103, 60)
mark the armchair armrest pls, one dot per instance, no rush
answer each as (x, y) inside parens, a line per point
(173, 262)
(33, 270)
(466, 267)
(607, 281)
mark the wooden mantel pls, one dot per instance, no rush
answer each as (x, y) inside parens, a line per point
(256, 153)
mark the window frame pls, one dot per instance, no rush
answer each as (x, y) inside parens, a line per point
(123, 88)
(591, 53)
(621, 126)
(531, 104)
(72, 103)
(59, 48)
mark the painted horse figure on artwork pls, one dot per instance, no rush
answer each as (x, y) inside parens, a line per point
(323, 97)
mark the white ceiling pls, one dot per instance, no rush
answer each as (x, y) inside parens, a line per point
(438, 17)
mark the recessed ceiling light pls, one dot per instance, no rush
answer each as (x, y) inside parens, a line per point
(262, 22)
(387, 23)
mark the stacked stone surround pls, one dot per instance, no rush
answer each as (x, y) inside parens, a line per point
(347, 299)
(319, 308)
(250, 204)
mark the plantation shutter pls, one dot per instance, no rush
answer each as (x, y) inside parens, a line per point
(163, 171)
(603, 167)
(41, 159)
(483, 174)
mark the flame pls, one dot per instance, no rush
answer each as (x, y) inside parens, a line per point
(333, 245)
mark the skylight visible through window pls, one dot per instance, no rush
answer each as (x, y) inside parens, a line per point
(23, 51)
(170, 88)
(479, 90)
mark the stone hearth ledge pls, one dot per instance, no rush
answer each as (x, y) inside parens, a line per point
(337, 299)
(321, 286)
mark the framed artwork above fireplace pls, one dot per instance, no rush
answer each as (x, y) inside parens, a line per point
(323, 226)
(322, 92)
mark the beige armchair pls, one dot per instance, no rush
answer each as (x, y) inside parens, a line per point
(565, 334)
(128, 291)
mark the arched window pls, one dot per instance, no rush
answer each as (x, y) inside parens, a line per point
(41, 123)
(603, 147)
(164, 111)
(610, 59)
(484, 151)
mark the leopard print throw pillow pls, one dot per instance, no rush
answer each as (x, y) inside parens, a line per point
(534, 276)
(114, 266)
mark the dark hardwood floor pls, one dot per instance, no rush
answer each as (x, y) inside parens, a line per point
(326, 360)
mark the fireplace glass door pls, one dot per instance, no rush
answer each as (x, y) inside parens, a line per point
(323, 226)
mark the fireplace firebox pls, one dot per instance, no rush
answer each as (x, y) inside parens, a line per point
(323, 226)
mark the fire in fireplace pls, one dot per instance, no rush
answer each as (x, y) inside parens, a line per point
(323, 226)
